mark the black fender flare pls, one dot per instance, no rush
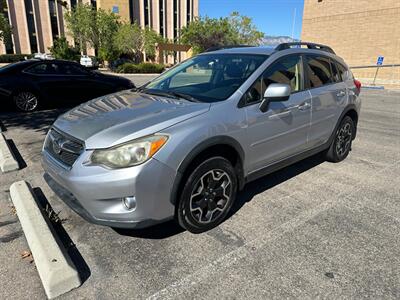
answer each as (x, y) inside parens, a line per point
(200, 147)
(349, 107)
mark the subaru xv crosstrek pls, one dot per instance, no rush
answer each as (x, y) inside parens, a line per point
(184, 144)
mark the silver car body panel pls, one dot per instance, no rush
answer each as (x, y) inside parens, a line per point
(304, 122)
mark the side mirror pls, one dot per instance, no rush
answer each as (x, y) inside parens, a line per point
(276, 92)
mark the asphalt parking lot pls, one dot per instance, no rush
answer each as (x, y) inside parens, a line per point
(314, 229)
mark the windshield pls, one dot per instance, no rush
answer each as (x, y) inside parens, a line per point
(206, 78)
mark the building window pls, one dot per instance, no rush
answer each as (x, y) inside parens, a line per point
(175, 19)
(161, 13)
(188, 11)
(73, 3)
(31, 25)
(53, 18)
(146, 13)
(93, 3)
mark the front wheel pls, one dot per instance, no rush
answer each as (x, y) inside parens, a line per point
(26, 101)
(208, 195)
(341, 144)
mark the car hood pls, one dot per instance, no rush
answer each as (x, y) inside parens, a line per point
(121, 117)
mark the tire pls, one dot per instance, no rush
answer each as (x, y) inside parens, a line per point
(207, 195)
(341, 144)
(26, 101)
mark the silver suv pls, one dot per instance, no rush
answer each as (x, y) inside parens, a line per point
(184, 144)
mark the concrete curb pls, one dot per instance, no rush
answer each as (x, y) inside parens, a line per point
(7, 160)
(56, 270)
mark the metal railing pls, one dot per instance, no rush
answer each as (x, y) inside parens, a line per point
(377, 67)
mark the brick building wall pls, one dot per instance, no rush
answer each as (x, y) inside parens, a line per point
(359, 31)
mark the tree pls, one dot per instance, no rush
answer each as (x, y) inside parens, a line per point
(205, 32)
(129, 40)
(150, 39)
(62, 50)
(246, 30)
(106, 28)
(94, 28)
(5, 29)
(80, 22)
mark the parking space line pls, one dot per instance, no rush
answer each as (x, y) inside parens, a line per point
(178, 287)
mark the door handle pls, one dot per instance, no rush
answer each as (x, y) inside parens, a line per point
(304, 106)
(280, 115)
(341, 94)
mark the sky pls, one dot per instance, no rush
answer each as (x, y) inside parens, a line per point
(273, 17)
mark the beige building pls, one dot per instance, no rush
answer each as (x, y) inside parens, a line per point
(37, 23)
(359, 31)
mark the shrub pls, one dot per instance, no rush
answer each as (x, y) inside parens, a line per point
(11, 58)
(142, 68)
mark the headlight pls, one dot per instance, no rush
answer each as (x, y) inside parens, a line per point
(130, 154)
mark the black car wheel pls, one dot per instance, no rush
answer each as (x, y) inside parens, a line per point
(26, 101)
(208, 195)
(341, 144)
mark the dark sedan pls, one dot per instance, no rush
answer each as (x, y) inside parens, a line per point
(33, 83)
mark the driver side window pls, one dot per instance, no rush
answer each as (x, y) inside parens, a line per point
(287, 70)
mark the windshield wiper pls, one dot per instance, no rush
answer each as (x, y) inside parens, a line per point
(184, 96)
(173, 94)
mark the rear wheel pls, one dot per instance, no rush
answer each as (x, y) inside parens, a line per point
(341, 144)
(208, 195)
(26, 101)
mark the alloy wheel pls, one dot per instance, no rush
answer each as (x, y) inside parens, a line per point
(26, 101)
(343, 139)
(210, 196)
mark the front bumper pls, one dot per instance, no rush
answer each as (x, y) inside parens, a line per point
(96, 193)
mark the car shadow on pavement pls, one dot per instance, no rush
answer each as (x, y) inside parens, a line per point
(38, 120)
(168, 229)
(56, 223)
(274, 179)
(155, 232)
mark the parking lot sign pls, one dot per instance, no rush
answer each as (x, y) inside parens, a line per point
(379, 62)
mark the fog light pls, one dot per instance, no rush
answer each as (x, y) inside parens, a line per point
(129, 202)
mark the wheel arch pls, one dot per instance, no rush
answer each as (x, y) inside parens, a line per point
(224, 146)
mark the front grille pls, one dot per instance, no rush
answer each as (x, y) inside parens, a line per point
(63, 148)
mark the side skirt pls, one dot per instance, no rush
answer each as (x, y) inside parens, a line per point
(286, 162)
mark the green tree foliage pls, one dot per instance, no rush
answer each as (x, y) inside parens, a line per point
(5, 28)
(106, 28)
(129, 40)
(102, 31)
(80, 22)
(205, 32)
(62, 50)
(150, 38)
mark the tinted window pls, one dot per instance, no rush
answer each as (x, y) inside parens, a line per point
(319, 71)
(343, 72)
(70, 69)
(44, 69)
(287, 70)
(335, 72)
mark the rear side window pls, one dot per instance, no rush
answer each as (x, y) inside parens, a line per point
(337, 77)
(344, 73)
(44, 69)
(70, 69)
(319, 71)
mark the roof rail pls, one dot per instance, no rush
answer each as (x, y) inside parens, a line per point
(226, 47)
(321, 47)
